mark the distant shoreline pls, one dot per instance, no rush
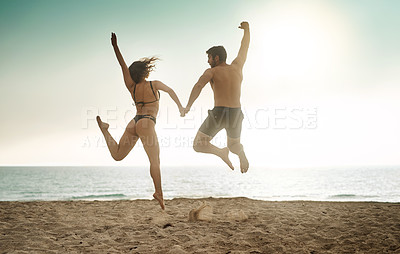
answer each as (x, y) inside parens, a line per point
(130, 183)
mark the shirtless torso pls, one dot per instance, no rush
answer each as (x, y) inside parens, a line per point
(226, 80)
(226, 84)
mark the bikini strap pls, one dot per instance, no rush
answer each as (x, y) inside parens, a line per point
(134, 90)
(142, 102)
(151, 85)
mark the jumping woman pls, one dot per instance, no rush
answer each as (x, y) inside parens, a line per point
(146, 96)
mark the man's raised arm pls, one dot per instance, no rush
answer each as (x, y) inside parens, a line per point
(244, 47)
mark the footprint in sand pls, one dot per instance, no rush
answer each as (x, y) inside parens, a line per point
(176, 249)
(236, 215)
(162, 219)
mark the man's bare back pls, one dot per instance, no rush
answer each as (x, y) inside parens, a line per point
(226, 83)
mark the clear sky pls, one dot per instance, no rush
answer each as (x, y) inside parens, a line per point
(321, 83)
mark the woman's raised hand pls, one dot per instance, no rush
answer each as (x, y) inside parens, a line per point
(113, 39)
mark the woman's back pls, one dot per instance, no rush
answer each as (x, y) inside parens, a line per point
(146, 98)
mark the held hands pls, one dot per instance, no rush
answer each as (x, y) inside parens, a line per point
(113, 39)
(244, 25)
(184, 111)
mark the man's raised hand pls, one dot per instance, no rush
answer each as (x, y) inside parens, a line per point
(244, 25)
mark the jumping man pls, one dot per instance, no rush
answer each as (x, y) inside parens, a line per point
(225, 80)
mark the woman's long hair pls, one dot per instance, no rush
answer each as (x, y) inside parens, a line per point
(141, 69)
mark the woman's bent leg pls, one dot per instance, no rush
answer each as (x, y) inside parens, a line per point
(128, 140)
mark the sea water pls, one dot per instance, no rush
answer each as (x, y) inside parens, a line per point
(114, 183)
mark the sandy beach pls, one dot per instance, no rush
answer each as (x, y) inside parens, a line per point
(225, 225)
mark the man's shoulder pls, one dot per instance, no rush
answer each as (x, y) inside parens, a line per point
(209, 71)
(228, 68)
(237, 65)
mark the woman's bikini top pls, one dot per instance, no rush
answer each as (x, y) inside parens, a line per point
(142, 102)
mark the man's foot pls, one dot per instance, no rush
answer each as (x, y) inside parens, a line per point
(244, 163)
(225, 157)
(103, 126)
(160, 199)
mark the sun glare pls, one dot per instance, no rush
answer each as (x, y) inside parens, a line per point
(300, 40)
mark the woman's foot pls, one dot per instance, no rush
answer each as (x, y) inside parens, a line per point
(160, 199)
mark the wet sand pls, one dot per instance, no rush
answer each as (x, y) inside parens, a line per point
(225, 225)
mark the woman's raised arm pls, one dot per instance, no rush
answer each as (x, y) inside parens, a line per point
(125, 71)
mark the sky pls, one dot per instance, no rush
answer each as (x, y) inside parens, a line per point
(320, 89)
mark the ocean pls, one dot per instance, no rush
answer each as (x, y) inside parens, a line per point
(380, 184)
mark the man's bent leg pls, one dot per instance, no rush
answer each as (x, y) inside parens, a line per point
(236, 147)
(202, 144)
